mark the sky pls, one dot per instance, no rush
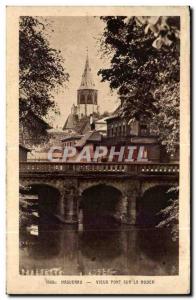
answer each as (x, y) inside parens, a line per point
(72, 36)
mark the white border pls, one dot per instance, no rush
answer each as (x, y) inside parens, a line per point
(3, 3)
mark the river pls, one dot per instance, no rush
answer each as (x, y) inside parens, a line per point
(56, 249)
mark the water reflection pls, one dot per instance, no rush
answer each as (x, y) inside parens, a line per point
(122, 250)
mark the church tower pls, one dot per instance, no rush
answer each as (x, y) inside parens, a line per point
(87, 93)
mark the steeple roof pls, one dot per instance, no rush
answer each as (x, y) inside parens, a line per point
(87, 79)
(71, 122)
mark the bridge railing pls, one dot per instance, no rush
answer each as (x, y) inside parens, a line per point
(136, 168)
(154, 168)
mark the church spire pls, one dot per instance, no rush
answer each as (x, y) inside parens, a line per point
(87, 93)
(87, 59)
(87, 79)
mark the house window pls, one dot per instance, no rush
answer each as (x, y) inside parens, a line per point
(95, 99)
(89, 99)
(120, 133)
(82, 99)
(124, 130)
(144, 130)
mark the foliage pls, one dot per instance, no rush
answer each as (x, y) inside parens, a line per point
(145, 71)
(170, 214)
(139, 71)
(166, 30)
(166, 121)
(41, 69)
(23, 204)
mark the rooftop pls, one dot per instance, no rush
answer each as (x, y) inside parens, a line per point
(87, 79)
(71, 121)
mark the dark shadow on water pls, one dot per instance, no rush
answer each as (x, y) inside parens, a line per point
(99, 250)
(100, 243)
(157, 245)
(156, 242)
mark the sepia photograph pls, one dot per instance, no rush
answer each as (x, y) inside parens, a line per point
(99, 148)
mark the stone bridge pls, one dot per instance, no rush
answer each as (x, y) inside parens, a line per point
(72, 182)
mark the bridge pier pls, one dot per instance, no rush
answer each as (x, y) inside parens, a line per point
(70, 205)
(131, 210)
(61, 208)
(129, 207)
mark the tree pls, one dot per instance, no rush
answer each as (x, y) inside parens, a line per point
(166, 30)
(41, 70)
(170, 214)
(145, 71)
(166, 122)
(24, 216)
(139, 71)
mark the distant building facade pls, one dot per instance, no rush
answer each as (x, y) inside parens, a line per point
(33, 130)
(72, 120)
(87, 94)
(23, 152)
(87, 103)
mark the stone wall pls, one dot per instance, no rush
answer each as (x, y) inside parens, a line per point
(71, 190)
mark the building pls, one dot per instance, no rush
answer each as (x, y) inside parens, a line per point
(71, 140)
(101, 126)
(118, 127)
(55, 136)
(87, 104)
(23, 152)
(72, 120)
(90, 139)
(87, 94)
(33, 130)
(122, 132)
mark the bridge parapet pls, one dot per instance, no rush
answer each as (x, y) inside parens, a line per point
(78, 168)
(72, 179)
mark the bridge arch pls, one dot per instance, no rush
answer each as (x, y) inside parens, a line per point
(49, 199)
(100, 205)
(146, 185)
(116, 184)
(152, 201)
(56, 184)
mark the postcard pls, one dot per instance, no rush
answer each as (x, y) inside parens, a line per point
(98, 150)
